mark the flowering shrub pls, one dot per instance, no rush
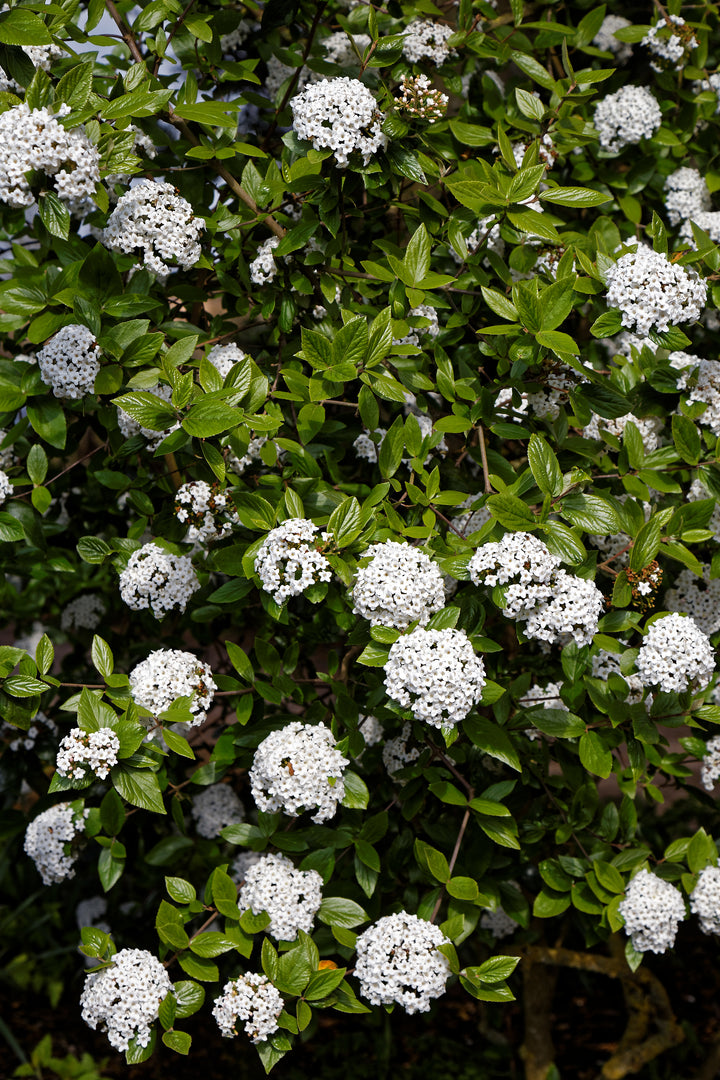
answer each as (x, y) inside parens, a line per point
(359, 408)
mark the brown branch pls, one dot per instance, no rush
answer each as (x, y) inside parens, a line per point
(483, 455)
(453, 857)
(127, 34)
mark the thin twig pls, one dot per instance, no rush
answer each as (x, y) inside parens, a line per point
(483, 455)
(127, 34)
(172, 34)
(453, 858)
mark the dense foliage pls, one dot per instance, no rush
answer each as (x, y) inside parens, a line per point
(359, 488)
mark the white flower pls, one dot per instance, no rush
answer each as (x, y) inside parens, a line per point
(339, 115)
(498, 923)
(705, 900)
(425, 40)
(157, 580)
(241, 864)
(168, 674)
(703, 384)
(83, 613)
(81, 751)
(398, 960)
(707, 220)
(517, 559)
(365, 448)
(697, 597)
(51, 841)
(208, 512)
(626, 117)
(605, 664)
(400, 584)
(711, 83)
(215, 807)
(371, 730)
(25, 740)
(467, 524)
(423, 311)
(653, 293)
(130, 427)
(288, 562)
(277, 73)
(291, 897)
(605, 38)
(546, 403)
(686, 194)
(435, 674)
(6, 488)
(670, 48)
(263, 268)
(33, 141)
(396, 754)
(652, 910)
(251, 998)
(675, 655)
(649, 428)
(343, 49)
(547, 697)
(710, 772)
(224, 358)
(486, 234)
(153, 220)
(124, 999)
(574, 608)
(297, 768)
(70, 361)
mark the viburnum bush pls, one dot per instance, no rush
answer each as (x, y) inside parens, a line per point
(359, 474)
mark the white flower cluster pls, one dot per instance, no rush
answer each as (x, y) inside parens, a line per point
(552, 602)
(547, 153)
(288, 562)
(425, 40)
(548, 697)
(654, 293)
(83, 613)
(606, 663)
(521, 562)
(157, 580)
(224, 358)
(686, 195)
(6, 488)
(50, 841)
(70, 361)
(498, 923)
(33, 141)
(339, 115)
(485, 233)
(710, 772)
(291, 897)
(626, 117)
(81, 751)
(420, 98)
(251, 998)
(546, 403)
(365, 448)
(371, 730)
(208, 512)
(8, 457)
(230, 42)
(398, 960)
(396, 754)
(342, 49)
(241, 864)
(467, 524)
(703, 383)
(712, 83)
(605, 38)
(435, 674)
(400, 584)
(423, 311)
(142, 144)
(124, 999)
(277, 73)
(263, 268)
(697, 597)
(675, 655)
(669, 47)
(215, 807)
(707, 220)
(130, 427)
(652, 910)
(168, 674)
(239, 464)
(152, 219)
(25, 740)
(297, 768)
(649, 428)
(624, 343)
(705, 900)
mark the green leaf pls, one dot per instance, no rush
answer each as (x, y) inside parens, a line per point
(392, 448)
(345, 522)
(23, 686)
(574, 196)
(417, 256)
(594, 755)
(138, 787)
(147, 409)
(54, 214)
(224, 894)
(169, 925)
(356, 795)
(189, 996)
(11, 529)
(512, 513)
(22, 27)
(102, 656)
(240, 661)
(558, 342)
(591, 513)
(544, 466)
(646, 544)
(211, 417)
(337, 911)
(211, 943)
(686, 438)
(493, 739)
